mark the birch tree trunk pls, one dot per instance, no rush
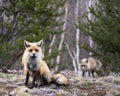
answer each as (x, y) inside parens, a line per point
(72, 57)
(51, 47)
(62, 36)
(51, 44)
(77, 36)
(89, 17)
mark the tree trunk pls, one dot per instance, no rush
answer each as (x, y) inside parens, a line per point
(62, 36)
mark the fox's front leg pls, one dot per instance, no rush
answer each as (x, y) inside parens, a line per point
(27, 78)
(93, 73)
(83, 73)
(33, 81)
(89, 73)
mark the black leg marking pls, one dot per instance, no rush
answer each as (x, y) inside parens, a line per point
(93, 73)
(89, 73)
(27, 78)
(83, 73)
(33, 81)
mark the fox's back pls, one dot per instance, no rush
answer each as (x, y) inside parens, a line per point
(91, 63)
(94, 63)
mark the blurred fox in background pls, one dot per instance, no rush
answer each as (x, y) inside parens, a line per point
(92, 66)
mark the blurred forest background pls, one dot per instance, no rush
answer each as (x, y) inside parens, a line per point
(71, 29)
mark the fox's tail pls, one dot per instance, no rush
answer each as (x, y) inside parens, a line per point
(60, 79)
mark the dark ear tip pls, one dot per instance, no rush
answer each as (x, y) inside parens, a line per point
(26, 43)
(40, 43)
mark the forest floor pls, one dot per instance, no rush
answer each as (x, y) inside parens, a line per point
(13, 85)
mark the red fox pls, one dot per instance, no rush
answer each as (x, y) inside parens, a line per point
(91, 65)
(60, 79)
(34, 65)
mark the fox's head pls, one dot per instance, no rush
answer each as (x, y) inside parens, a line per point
(83, 64)
(34, 50)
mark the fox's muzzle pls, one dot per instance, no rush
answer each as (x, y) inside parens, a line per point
(33, 55)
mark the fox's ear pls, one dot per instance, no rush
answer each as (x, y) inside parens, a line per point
(26, 43)
(40, 43)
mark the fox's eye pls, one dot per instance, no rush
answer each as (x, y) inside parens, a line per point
(36, 50)
(30, 50)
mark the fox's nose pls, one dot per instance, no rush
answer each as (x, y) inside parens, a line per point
(33, 54)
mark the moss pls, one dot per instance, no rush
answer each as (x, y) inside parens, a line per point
(1, 75)
(60, 93)
(10, 75)
(21, 94)
(68, 89)
(86, 84)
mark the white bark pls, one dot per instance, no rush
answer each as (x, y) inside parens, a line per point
(51, 44)
(62, 36)
(77, 36)
(59, 48)
(72, 58)
(90, 18)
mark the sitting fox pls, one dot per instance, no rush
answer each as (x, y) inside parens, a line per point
(91, 65)
(34, 65)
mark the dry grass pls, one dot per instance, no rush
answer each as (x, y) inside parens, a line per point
(78, 86)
